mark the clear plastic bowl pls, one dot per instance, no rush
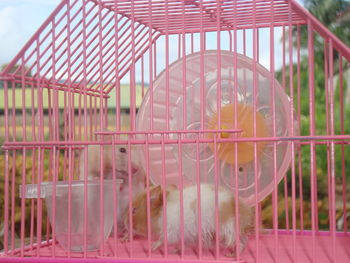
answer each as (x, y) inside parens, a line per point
(75, 235)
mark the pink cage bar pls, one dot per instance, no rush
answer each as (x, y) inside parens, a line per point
(72, 101)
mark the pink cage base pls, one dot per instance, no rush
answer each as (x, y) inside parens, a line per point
(301, 247)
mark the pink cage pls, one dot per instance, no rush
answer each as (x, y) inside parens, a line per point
(246, 100)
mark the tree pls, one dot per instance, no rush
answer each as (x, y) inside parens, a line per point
(330, 13)
(334, 14)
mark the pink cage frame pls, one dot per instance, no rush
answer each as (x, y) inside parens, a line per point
(86, 47)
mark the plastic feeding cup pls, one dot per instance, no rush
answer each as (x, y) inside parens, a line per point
(193, 94)
(62, 222)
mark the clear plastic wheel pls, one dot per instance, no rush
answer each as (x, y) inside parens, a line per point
(247, 164)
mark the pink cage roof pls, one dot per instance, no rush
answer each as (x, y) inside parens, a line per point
(195, 15)
(88, 44)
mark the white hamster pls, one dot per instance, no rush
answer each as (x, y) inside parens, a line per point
(121, 172)
(226, 211)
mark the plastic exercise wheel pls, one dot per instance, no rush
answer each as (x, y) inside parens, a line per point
(193, 109)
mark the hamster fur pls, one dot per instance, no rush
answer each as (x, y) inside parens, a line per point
(226, 216)
(121, 172)
(94, 159)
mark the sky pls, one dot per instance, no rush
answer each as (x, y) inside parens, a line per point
(19, 20)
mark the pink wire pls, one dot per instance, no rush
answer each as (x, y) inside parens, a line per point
(149, 222)
(273, 107)
(132, 73)
(155, 60)
(181, 187)
(332, 157)
(327, 103)
(199, 198)
(312, 132)
(131, 233)
(33, 168)
(254, 102)
(180, 138)
(165, 228)
(55, 133)
(291, 93)
(115, 200)
(24, 165)
(341, 89)
(6, 190)
(284, 85)
(55, 178)
(13, 177)
(217, 221)
(167, 75)
(151, 69)
(86, 137)
(40, 154)
(299, 128)
(102, 126)
(201, 61)
(142, 77)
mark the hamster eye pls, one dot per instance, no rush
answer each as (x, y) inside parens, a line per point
(122, 150)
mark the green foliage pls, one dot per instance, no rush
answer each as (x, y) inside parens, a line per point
(327, 11)
(322, 111)
(334, 14)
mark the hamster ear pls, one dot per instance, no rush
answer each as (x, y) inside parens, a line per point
(156, 196)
